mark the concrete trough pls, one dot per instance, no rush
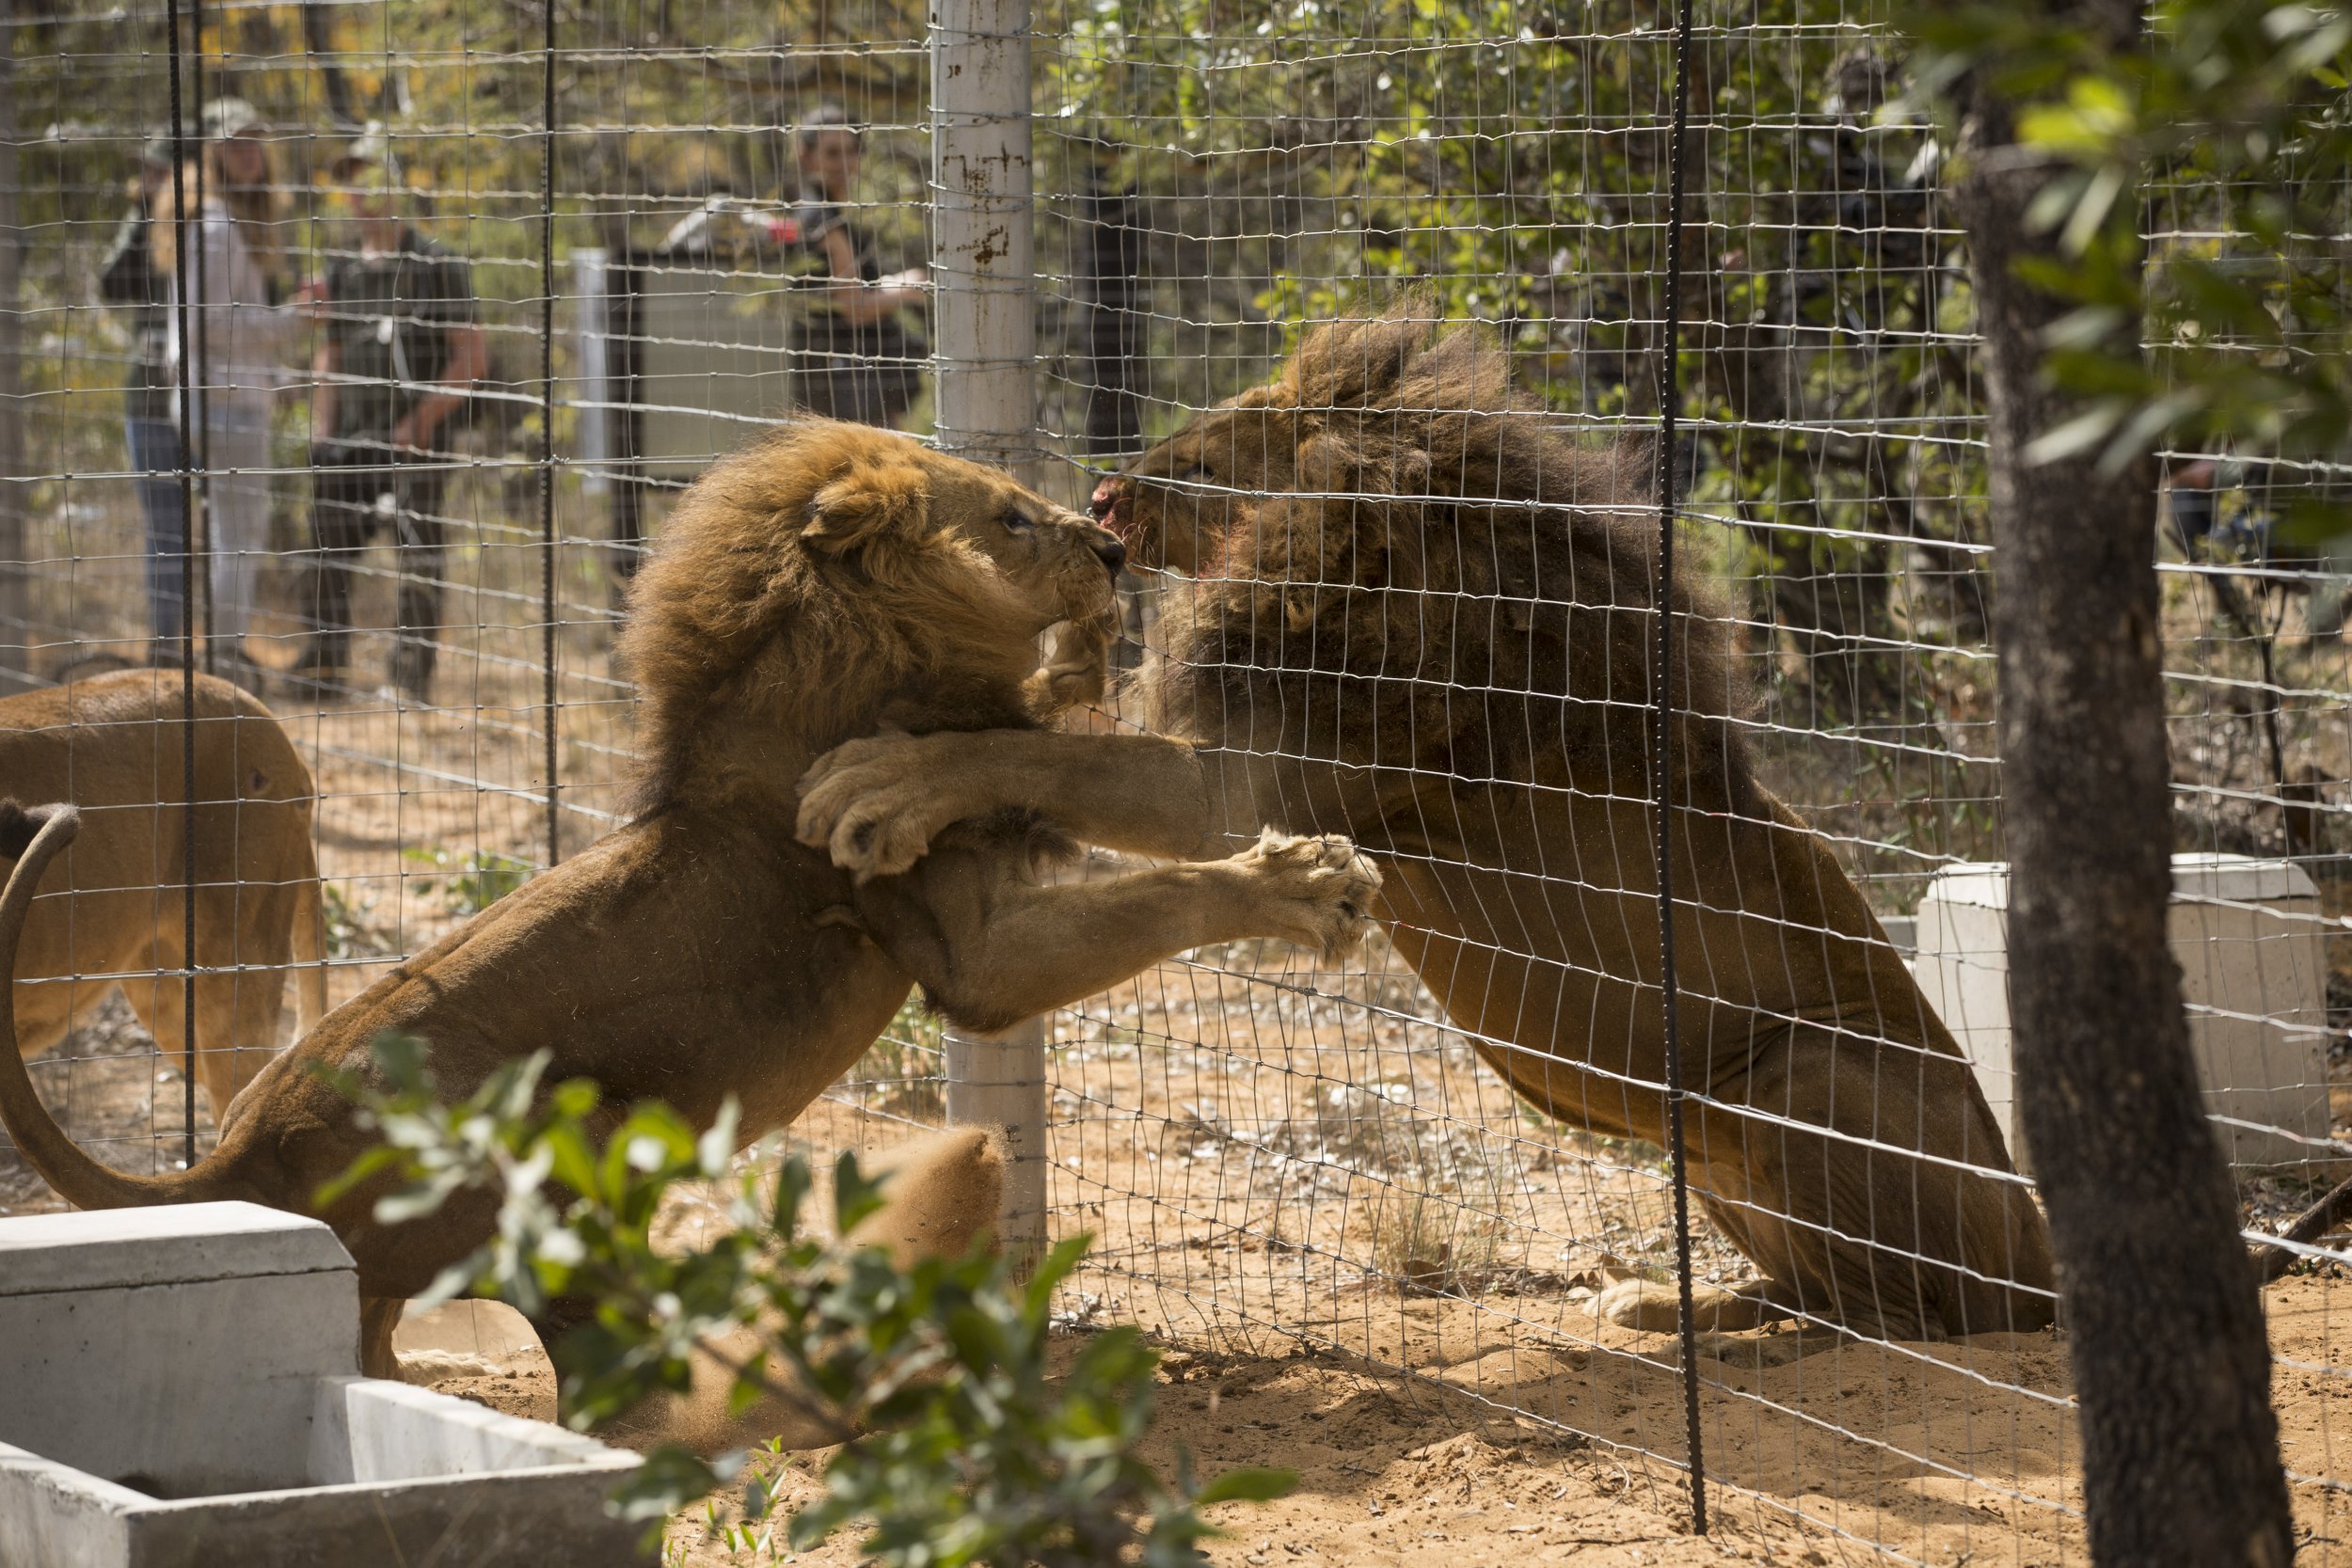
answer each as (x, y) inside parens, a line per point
(182, 1389)
(2251, 939)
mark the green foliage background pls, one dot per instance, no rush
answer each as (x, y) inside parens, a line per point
(1273, 163)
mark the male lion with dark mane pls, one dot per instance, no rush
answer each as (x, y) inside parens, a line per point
(828, 580)
(1423, 616)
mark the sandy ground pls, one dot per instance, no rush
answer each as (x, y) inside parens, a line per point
(1504, 1425)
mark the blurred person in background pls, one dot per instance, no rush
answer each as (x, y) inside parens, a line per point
(851, 354)
(401, 350)
(242, 332)
(128, 281)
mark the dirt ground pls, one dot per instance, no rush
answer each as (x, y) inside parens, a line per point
(1365, 1259)
(1501, 1424)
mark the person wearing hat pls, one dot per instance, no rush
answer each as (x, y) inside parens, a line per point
(128, 281)
(850, 353)
(401, 349)
(239, 335)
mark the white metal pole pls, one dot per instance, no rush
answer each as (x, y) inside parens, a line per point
(985, 287)
(1000, 1081)
(984, 322)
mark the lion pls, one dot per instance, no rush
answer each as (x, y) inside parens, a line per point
(826, 581)
(111, 744)
(1423, 616)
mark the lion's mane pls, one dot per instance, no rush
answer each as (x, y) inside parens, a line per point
(811, 551)
(1452, 582)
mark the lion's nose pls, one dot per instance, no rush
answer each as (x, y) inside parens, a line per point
(1105, 498)
(1111, 553)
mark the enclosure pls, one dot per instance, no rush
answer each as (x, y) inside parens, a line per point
(1372, 1259)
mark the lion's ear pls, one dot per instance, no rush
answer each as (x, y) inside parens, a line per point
(869, 502)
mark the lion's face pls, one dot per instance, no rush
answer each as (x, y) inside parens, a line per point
(1173, 504)
(1062, 564)
(953, 539)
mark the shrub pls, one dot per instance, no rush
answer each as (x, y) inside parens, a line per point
(959, 1446)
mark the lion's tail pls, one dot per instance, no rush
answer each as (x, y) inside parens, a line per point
(78, 1179)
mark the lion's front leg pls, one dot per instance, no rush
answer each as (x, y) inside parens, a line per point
(878, 803)
(991, 949)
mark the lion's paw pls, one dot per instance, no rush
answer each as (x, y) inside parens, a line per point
(874, 804)
(1327, 884)
(1077, 674)
(1645, 1305)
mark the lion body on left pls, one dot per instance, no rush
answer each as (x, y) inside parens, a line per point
(112, 745)
(831, 579)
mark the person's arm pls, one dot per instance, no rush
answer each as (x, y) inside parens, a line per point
(468, 358)
(326, 363)
(850, 295)
(448, 299)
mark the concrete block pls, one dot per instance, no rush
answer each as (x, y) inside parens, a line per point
(182, 1389)
(161, 1246)
(2250, 940)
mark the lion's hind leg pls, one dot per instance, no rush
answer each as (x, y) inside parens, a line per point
(942, 1194)
(1867, 1181)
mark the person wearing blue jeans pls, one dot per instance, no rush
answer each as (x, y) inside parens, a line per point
(129, 281)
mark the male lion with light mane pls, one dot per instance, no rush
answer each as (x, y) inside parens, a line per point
(111, 744)
(1421, 615)
(827, 580)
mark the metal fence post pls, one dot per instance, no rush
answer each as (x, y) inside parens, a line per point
(984, 310)
(15, 468)
(985, 301)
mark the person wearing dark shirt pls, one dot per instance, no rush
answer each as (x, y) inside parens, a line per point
(850, 352)
(401, 347)
(129, 280)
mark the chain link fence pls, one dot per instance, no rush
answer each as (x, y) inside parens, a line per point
(503, 285)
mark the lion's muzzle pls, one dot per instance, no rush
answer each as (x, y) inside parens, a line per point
(1106, 500)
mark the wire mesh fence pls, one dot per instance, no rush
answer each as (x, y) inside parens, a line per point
(1439, 1163)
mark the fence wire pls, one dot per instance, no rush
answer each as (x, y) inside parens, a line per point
(601, 248)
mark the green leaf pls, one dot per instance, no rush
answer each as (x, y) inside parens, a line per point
(715, 1151)
(855, 1195)
(1249, 1484)
(382, 1157)
(2077, 435)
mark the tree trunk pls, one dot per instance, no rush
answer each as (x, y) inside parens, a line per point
(318, 41)
(2172, 1369)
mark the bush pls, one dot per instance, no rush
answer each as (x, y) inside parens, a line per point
(959, 1449)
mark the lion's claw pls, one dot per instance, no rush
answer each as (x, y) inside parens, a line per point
(873, 804)
(1326, 884)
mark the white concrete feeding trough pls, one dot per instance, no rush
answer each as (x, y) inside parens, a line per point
(180, 1390)
(2251, 942)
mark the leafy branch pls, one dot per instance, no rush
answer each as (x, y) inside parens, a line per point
(2236, 115)
(960, 1446)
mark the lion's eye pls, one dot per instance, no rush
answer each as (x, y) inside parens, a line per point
(1197, 474)
(1017, 521)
